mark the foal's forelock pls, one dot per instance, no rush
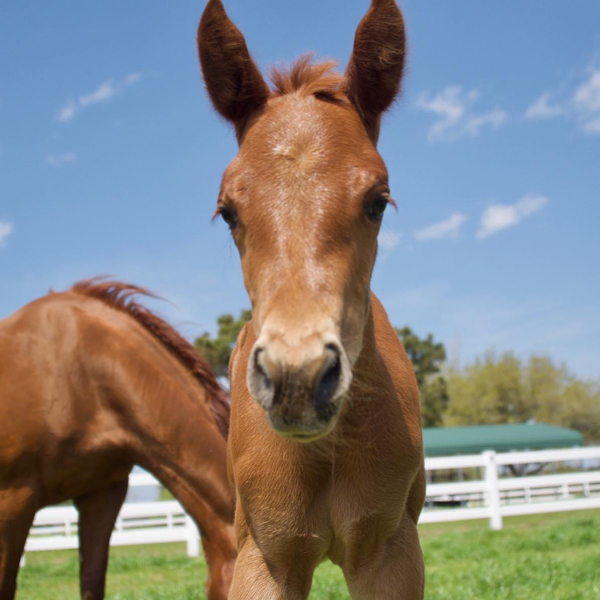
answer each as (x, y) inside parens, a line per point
(318, 79)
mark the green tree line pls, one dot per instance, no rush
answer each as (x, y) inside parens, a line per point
(501, 388)
(493, 389)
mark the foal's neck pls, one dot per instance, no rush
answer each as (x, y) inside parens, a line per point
(361, 406)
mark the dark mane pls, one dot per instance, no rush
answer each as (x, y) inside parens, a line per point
(316, 79)
(120, 295)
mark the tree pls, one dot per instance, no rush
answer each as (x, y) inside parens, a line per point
(577, 407)
(503, 389)
(434, 401)
(217, 351)
(488, 392)
(427, 357)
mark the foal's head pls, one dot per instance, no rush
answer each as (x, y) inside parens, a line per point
(304, 199)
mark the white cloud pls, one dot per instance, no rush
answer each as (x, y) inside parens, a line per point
(132, 78)
(56, 160)
(495, 118)
(389, 239)
(502, 216)
(6, 229)
(453, 107)
(448, 228)
(587, 95)
(542, 109)
(103, 93)
(586, 100)
(67, 112)
(581, 104)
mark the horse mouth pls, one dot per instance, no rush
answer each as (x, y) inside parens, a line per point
(302, 433)
(303, 437)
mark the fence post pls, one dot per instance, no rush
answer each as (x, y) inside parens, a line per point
(193, 539)
(493, 493)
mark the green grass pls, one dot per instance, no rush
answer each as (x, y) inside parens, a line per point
(540, 557)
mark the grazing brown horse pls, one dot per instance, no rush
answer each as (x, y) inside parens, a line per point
(325, 444)
(91, 383)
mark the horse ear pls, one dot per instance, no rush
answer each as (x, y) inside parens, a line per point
(234, 83)
(377, 62)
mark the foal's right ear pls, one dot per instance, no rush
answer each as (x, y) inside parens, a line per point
(234, 83)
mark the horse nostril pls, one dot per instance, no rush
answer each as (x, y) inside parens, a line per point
(259, 377)
(327, 383)
(260, 369)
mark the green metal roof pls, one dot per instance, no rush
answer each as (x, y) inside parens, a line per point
(440, 441)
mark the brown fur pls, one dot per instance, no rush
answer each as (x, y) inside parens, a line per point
(241, 89)
(346, 484)
(91, 383)
(119, 295)
(376, 66)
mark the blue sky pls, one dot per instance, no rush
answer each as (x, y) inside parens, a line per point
(111, 157)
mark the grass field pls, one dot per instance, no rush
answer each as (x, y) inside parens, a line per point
(554, 557)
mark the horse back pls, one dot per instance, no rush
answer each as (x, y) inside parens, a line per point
(50, 407)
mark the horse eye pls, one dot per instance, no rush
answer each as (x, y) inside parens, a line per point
(230, 217)
(375, 208)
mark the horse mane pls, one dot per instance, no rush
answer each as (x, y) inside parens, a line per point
(120, 296)
(311, 79)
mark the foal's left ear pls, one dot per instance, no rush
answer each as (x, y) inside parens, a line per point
(377, 62)
(234, 83)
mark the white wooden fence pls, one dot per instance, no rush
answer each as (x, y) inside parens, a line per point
(492, 497)
(55, 527)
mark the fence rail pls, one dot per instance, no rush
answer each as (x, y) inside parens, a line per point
(490, 497)
(138, 523)
(494, 497)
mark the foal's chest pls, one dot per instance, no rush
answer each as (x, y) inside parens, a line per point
(327, 505)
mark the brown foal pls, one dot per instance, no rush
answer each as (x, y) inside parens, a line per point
(91, 383)
(325, 449)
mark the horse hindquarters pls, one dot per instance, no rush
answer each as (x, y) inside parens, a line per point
(17, 510)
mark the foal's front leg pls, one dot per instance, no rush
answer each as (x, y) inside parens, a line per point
(253, 579)
(394, 572)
